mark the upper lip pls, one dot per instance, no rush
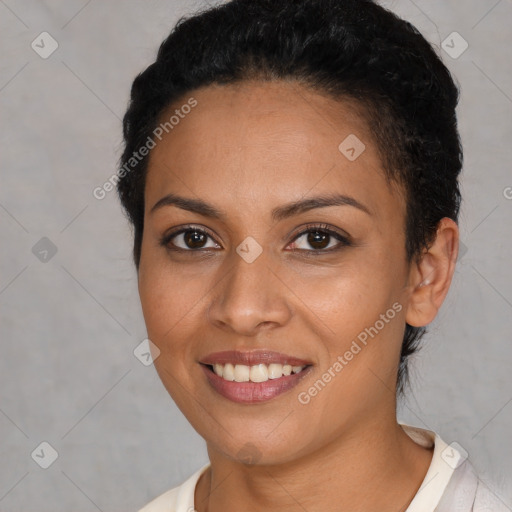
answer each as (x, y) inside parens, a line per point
(253, 357)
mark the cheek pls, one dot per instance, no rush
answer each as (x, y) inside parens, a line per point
(348, 298)
(170, 301)
(170, 306)
(174, 299)
(360, 321)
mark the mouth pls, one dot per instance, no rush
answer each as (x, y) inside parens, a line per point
(256, 373)
(252, 377)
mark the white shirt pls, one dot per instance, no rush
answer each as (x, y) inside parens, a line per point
(450, 484)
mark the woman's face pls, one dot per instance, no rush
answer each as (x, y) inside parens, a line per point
(257, 278)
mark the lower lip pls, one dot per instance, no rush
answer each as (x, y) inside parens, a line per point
(253, 392)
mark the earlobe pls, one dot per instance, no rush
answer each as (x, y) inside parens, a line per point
(430, 279)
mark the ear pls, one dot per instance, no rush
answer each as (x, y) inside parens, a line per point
(430, 279)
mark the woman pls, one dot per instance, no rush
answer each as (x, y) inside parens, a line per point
(290, 170)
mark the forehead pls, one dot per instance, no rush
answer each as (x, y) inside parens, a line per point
(272, 140)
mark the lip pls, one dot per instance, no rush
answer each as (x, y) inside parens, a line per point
(253, 357)
(253, 392)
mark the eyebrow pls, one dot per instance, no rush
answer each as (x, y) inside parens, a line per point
(281, 212)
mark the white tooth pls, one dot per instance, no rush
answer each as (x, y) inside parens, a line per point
(217, 368)
(287, 369)
(228, 372)
(297, 369)
(242, 373)
(259, 373)
(275, 371)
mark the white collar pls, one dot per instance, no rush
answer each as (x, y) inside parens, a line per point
(445, 459)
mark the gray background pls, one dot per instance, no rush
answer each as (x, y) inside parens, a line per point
(70, 324)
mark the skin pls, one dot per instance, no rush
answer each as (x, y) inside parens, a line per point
(247, 149)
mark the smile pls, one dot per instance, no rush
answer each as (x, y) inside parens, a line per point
(257, 373)
(252, 377)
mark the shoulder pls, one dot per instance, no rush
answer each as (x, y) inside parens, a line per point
(177, 499)
(467, 492)
(451, 483)
(486, 500)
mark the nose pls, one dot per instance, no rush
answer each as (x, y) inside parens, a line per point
(252, 297)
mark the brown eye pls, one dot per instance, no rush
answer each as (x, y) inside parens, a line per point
(194, 239)
(188, 239)
(319, 239)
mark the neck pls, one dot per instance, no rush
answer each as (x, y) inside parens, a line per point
(375, 466)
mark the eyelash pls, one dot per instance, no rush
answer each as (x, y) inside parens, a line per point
(320, 228)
